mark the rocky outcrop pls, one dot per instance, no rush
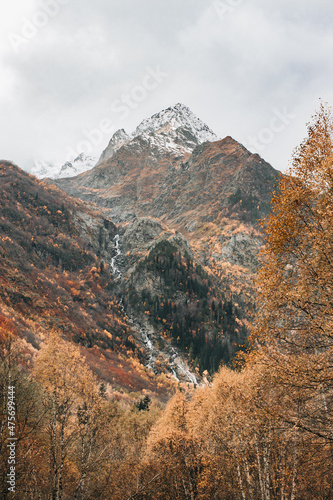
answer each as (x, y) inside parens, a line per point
(241, 249)
(140, 180)
(118, 139)
(176, 129)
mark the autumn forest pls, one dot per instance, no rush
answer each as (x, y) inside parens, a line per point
(258, 425)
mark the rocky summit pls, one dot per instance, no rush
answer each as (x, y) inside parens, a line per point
(173, 167)
(176, 129)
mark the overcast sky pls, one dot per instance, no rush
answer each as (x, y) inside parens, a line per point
(72, 71)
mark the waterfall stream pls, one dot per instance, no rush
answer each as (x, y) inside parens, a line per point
(178, 366)
(114, 267)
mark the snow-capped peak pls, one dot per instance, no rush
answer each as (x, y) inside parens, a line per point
(176, 129)
(57, 170)
(173, 118)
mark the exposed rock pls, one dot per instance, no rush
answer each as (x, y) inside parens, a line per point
(118, 139)
(242, 250)
(175, 128)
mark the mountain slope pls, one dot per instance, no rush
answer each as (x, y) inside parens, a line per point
(173, 300)
(209, 193)
(55, 276)
(140, 179)
(121, 292)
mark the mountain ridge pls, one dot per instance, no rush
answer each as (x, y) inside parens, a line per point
(140, 180)
(57, 170)
(62, 271)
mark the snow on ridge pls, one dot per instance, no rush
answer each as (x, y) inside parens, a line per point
(77, 166)
(176, 129)
(44, 168)
(57, 170)
(168, 141)
(119, 139)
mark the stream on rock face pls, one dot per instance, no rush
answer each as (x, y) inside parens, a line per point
(114, 267)
(178, 366)
(176, 363)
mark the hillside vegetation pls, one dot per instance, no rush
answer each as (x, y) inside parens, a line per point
(260, 431)
(55, 277)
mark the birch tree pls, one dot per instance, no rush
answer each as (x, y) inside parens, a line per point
(71, 399)
(295, 307)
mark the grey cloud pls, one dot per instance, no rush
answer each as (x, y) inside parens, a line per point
(232, 70)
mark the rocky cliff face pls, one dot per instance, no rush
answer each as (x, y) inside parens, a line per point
(119, 138)
(143, 179)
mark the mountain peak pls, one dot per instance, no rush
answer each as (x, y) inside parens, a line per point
(118, 139)
(177, 117)
(176, 129)
(179, 108)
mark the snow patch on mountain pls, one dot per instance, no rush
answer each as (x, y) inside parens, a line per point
(43, 168)
(174, 118)
(79, 165)
(57, 170)
(176, 129)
